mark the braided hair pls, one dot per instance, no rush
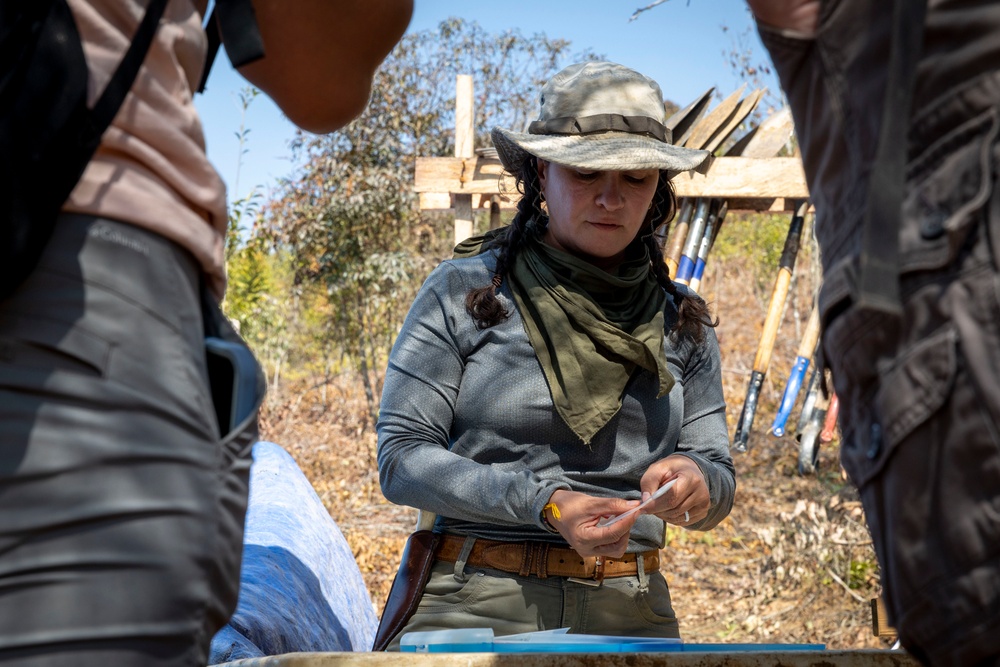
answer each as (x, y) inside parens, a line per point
(692, 311)
(482, 303)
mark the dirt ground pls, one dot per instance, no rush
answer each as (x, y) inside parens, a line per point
(793, 563)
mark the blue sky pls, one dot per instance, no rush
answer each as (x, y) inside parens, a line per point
(681, 43)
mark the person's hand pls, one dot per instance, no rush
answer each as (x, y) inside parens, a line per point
(688, 501)
(579, 514)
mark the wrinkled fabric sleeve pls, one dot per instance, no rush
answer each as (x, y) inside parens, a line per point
(792, 57)
(422, 382)
(704, 433)
(795, 61)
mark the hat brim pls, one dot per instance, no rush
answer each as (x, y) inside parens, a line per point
(607, 151)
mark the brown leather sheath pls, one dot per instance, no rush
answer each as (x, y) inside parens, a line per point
(407, 586)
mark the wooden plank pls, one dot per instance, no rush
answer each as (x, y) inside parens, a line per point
(765, 204)
(465, 117)
(773, 135)
(496, 220)
(745, 177)
(684, 120)
(465, 135)
(467, 176)
(463, 218)
(742, 110)
(444, 201)
(707, 127)
(728, 177)
(434, 201)
(880, 620)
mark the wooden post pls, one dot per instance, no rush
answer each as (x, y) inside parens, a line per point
(495, 212)
(465, 135)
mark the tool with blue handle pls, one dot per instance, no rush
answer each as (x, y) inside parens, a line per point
(762, 360)
(705, 134)
(685, 267)
(807, 348)
(715, 220)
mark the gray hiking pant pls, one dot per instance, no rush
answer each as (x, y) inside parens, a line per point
(121, 513)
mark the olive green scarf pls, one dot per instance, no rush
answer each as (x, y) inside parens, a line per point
(590, 329)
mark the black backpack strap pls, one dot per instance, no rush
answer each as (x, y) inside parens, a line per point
(233, 23)
(878, 280)
(121, 82)
(47, 132)
(214, 42)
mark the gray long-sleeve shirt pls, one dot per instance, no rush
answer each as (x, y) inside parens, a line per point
(468, 430)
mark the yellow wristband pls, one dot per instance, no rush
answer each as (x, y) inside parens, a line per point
(545, 520)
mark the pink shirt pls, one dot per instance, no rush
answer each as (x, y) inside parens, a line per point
(151, 169)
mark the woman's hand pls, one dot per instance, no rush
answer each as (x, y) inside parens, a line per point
(688, 501)
(578, 518)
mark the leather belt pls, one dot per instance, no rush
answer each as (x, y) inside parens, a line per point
(542, 559)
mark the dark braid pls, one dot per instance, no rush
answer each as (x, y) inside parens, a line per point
(692, 311)
(481, 302)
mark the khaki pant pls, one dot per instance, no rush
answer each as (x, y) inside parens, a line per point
(636, 606)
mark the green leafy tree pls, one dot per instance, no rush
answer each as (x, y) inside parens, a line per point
(349, 220)
(249, 205)
(257, 301)
(255, 276)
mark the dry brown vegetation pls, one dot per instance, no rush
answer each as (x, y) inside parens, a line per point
(792, 563)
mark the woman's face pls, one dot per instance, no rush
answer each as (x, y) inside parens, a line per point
(595, 215)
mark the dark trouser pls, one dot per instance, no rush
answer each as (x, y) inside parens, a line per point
(121, 514)
(920, 405)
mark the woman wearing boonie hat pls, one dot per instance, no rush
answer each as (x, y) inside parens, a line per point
(551, 376)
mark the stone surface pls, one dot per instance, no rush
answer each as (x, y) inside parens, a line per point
(866, 658)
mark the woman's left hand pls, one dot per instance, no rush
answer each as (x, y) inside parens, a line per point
(579, 518)
(688, 501)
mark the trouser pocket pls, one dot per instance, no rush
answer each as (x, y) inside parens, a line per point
(920, 440)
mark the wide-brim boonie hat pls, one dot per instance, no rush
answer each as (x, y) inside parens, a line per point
(601, 116)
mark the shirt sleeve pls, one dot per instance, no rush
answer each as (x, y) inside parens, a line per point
(704, 434)
(422, 383)
(791, 54)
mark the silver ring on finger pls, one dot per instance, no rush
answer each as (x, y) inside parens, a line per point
(687, 517)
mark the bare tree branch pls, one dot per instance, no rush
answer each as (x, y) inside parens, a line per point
(636, 13)
(845, 586)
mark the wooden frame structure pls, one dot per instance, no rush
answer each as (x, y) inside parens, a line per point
(468, 181)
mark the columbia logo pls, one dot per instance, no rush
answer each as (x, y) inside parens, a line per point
(114, 236)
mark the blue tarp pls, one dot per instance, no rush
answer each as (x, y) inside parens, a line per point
(300, 588)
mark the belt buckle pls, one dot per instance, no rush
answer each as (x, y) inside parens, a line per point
(598, 574)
